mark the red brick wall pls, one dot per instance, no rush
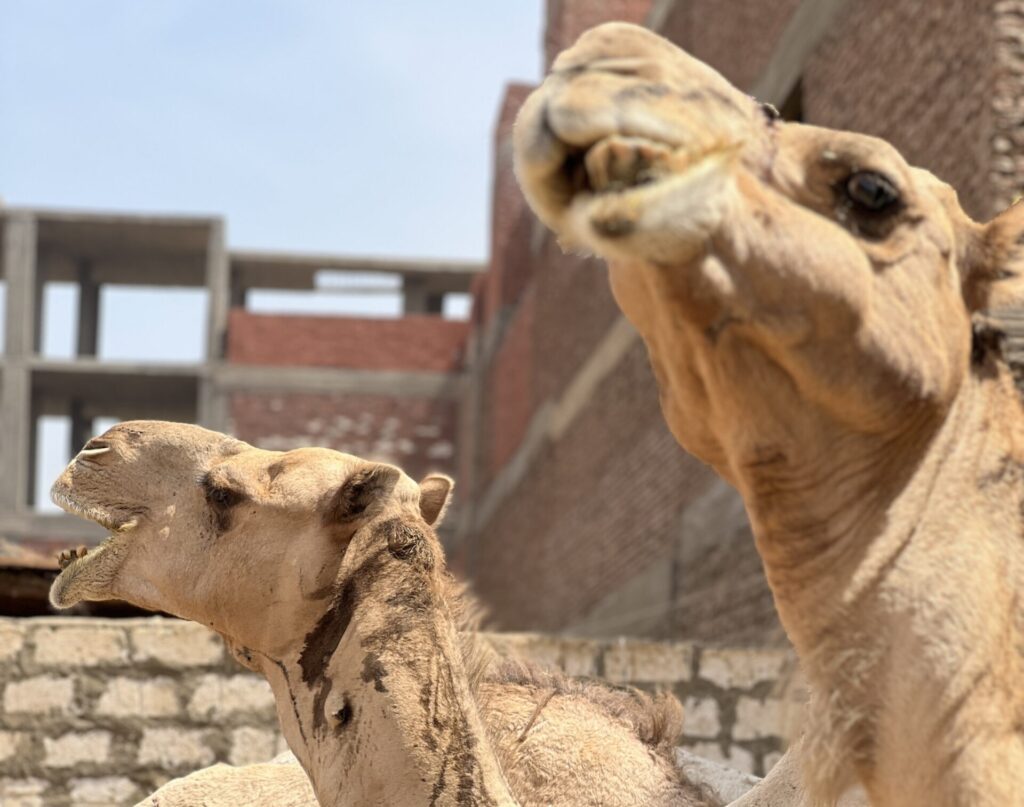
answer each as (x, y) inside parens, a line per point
(511, 384)
(510, 265)
(409, 343)
(920, 75)
(415, 433)
(597, 508)
(567, 19)
(736, 38)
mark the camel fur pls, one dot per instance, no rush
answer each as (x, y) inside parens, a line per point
(824, 323)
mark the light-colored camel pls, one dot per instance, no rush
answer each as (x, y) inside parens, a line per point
(282, 783)
(323, 573)
(823, 322)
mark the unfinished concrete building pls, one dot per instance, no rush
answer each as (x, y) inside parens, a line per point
(253, 364)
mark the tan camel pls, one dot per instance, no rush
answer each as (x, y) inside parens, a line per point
(823, 321)
(323, 573)
(282, 783)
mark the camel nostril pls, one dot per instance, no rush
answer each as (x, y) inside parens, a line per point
(94, 448)
(574, 169)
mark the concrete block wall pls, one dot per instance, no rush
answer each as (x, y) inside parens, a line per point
(99, 712)
(102, 711)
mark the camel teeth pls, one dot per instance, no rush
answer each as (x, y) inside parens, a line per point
(93, 452)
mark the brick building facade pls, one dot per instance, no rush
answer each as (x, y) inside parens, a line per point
(576, 510)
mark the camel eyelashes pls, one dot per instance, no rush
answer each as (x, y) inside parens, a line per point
(223, 497)
(218, 495)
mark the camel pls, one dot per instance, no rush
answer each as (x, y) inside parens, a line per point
(322, 572)
(281, 782)
(827, 328)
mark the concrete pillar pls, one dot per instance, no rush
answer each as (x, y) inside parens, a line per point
(418, 298)
(239, 293)
(88, 310)
(39, 284)
(16, 426)
(218, 288)
(32, 455)
(81, 426)
(22, 298)
(212, 408)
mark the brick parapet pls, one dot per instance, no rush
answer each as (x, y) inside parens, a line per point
(135, 702)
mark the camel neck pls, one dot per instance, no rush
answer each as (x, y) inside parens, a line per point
(377, 705)
(909, 618)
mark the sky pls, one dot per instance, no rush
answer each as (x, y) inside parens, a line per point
(342, 127)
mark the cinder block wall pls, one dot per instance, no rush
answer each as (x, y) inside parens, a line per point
(101, 711)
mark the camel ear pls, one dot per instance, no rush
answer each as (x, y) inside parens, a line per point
(361, 490)
(995, 282)
(994, 288)
(435, 494)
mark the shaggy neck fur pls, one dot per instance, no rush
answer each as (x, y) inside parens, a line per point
(376, 704)
(907, 618)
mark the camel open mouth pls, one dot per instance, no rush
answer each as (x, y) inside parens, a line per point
(618, 164)
(620, 182)
(87, 573)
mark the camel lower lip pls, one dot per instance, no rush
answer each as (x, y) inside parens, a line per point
(79, 562)
(616, 215)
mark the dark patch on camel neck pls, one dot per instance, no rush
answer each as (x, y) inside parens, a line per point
(402, 565)
(291, 695)
(374, 670)
(322, 642)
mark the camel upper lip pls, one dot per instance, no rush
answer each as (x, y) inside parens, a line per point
(69, 504)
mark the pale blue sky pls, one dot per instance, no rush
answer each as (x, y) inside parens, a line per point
(344, 127)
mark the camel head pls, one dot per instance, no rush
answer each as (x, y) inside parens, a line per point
(322, 571)
(794, 284)
(208, 528)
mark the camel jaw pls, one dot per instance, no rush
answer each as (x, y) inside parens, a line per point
(89, 574)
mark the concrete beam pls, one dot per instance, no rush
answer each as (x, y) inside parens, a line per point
(274, 270)
(391, 383)
(125, 390)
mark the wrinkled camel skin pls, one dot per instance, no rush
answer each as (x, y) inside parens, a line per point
(322, 571)
(822, 321)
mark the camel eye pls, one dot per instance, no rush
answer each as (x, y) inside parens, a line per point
(223, 497)
(871, 192)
